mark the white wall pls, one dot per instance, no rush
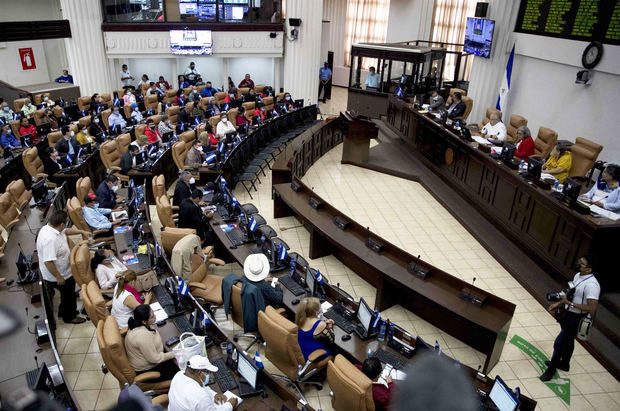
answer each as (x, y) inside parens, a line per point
(11, 68)
(409, 20)
(30, 10)
(335, 11)
(261, 70)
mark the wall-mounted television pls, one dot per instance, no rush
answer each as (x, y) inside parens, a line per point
(479, 36)
(193, 42)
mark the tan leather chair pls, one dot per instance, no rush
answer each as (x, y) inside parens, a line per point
(187, 137)
(74, 209)
(469, 104)
(171, 235)
(37, 99)
(279, 97)
(200, 88)
(144, 88)
(214, 120)
(232, 117)
(53, 137)
(545, 141)
(79, 260)
(20, 196)
(352, 390)
(237, 315)
(58, 111)
(94, 304)
(159, 185)
(123, 141)
(34, 165)
(107, 98)
(39, 117)
(179, 152)
(219, 97)
(9, 214)
(18, 103)
(164, 211)
(156, 119)
(282, 349)
(139, 130)
(242, 91)
(203, 285)
(84, 121)
(451, 95)
(259, 88)
(170, 96)
(249, 109)
(112, 349)
(584, 154)
(105, 116)
(186, 91)
(82, 187)
(516, 121)
(15, 127)
(84, 102)
(487, 116)
(150, 102)
(111, 158)
(173, 114)
(127, 110)
(269, 103)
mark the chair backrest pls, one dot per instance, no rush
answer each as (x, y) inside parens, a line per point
(58, 111)
(94, 304)
(179, 152)
(159, 185)
(150, 102)
(516, 121)
(232, 116)
(139, 130)
(352, 389)
(170, 96)
(122, 142)
(268, 102)
(82, 187)
(79, 258)
(17, 191)
(451, 95)
(187, 137)
(107, 98)
(75, 214)
(127, 110)
(112, 349)
(249, 109)
(242, 91)
(18, 103)
(171, 235)
(8, 211)
(469, 104)
(236, 306)
(144, 88)
(173, 114)
(15, 127)
(32, 162)
(84, 121)
(214, 120)
(84, 102)
(164, 211)
(105, 118)
(487, 116)
(545, 141)
(39, 117)
(219, 97)
(259, 88)
(156, 118)
(38, 98)
(110, 154)
(53, 137)
(584, 154)
(279, 96)
(280, 336)
(187, 90)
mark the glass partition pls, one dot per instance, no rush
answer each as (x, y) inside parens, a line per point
(132, 11)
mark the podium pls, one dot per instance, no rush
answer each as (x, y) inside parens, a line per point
(358, 131)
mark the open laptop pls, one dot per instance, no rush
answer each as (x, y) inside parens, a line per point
(248, 377)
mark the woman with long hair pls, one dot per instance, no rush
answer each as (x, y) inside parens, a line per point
(126, 298)
(313, 333)
(107, 268)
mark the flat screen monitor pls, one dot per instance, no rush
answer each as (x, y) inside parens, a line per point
(364, 314)
(247, 371)
(479, 36)
(189, 7)
(502, 397)
(310, 280)
(193, 42)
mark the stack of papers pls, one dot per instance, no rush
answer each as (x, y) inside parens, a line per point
(480, 140)
(605, 213)
(160, 314)
(230, 395)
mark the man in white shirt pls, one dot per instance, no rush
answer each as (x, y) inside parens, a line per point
(189, 392)
(191, 73)
(116, 119)
(584, 302)
(135, 113)
(373, 79)
(224, 126)
(53, 252)
(494, 130)
(126, 77)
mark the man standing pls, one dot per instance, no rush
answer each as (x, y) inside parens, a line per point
(325, 76)
(106, 192)
(182, 254)
(191, 73)
(373, 80)
(192, 216)
(583, 302)
(183, 188)
(126, 78)
(53, 252)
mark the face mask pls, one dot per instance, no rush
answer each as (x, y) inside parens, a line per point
(84, 131)
(206, 381)
(45, 98)
(96, 121)
(193, 180)
(225, 120)
(232, 95)
(288, 99)
(6, 109)
(115, 188)
(72, 134)
(129, 94)
(106, 260)
(199, 149)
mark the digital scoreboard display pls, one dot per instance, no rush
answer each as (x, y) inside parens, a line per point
(587, 20)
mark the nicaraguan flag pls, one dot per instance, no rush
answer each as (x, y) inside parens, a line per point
(237, 139)
(79, 153)
(69, 158)
(220, 147)
(166, 105)
(151, 150)
(377, 321)
(234, 202)
(282, 253)
(61, 102)
(211, 157)
(143, 156)
(117, 102)
(42, 106)
(252, 226)
(182, 126)
(181, 101)
(205, 319)
(149, 112)
(223, 182)
(319, 277)
(400, 92)
(83, 113)
(504, 90)
(197, 120)
(258, 361)
(183, 288)
(131, 184)
(158, 252)
(15, 116)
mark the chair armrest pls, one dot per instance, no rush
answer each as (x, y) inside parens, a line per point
(115, 168)
(197, 285)
(123, 331)
(160, 400)
(188, 168)
(149, 375)
(174, 216)
(314, 355)
(216, 261)
(95, 232)
(175, 208)
(281, 311)
(108, 291)
(108, 303)
(43, 175)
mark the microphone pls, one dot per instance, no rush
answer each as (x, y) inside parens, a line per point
(36, 361)
(472, 286)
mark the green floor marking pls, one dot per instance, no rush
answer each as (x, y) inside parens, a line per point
(560, 386)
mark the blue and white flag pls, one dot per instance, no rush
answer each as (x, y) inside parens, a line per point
(182, 126)
(377, 321)
(83, 112)
(149, 112)
(211, 157)
(79, 153)
(197, 120)
(258, 361)
(143, 156)
(152, 149)
(282, 253)
(223, 182)
(117, 102)
(42, 106)
(204, 318)
(132, 184)
(234, 202)
(237, 139)
(183, 288)
(400, 92)
(253, 225)
(319, 277)
(61, 102)
(504, 90)
(158, 250)
(181, 101)
(221, 147)
(166, 105)
(225, 107)
(69, 159)
(15, 116)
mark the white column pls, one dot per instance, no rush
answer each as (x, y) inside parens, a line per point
(225, 73)
(302, 56)
(85, 49)
(174, 72)
(487, 74)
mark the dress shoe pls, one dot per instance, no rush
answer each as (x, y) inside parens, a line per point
(547, 375)
(76, 320)
(563, 367)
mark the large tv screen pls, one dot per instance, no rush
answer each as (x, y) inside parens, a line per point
(194, 42)
(479, 36)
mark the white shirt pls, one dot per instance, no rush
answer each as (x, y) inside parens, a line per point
(586, 288)
(106, 276)
(120, 311)
(373, 80)
(223, 128)
(52, 246)
(137, 115)
(126, 74)
(191, 74)
(185, 394)
(497, 132)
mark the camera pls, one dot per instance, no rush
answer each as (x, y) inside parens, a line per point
(559, 295)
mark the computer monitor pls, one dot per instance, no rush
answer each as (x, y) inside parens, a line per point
(247, 371)
(364, 315)
(508, 152)
(167, 136)
(534, 167)
(311, 281)
(571, 190)
(502, 397)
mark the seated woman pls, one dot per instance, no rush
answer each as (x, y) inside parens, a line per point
(265, 92)
(382, 389)
(180, 98)
(107, 268)
(259, 111)
(95, 126)
(607, 195)
(126, 298)
(145, 349)
(560, 161)
(525, 143)
(208, 138)
(241, 120)
(288, 101)
(84, 136)
(313, 334)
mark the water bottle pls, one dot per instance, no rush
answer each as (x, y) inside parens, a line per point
(369, 353)
(293, 267)
(522, 166)
(437, 348)
(382, 332)
(556, 185)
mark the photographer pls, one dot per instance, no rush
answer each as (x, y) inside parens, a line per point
(584, 300)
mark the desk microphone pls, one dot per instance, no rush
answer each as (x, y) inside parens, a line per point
(472, 286)
(36, 361)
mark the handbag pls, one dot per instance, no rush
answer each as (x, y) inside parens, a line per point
(189, 345)
(146, 281)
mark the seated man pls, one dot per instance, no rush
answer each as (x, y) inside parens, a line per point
(256, 271)
(151, 133)
(7, 139)
(68, 144)
(140, 142)
(65, 78)
(436, 101)
(136, 115)
(182, 253)
(382, 389)
(165, 126)
(494, 130)
(194, 157)
(192, 216)
(6, 114)
(608, 196)
(183, 189)
(94, 216)
(208, 91)
(106, 192)
(246, 82)
(51, 161)
(116, 119)
(189, 392)
(28, 109)
(129, 160)
(457, 108)
(25, 127)
(185, 115)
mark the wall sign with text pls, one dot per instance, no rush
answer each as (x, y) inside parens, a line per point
(26, 56)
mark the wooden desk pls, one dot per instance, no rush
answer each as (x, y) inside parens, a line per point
(360, 131)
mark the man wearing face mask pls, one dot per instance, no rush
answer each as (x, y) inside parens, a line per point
(151, 133)
(192, 216)
(116, 119)
(48, 102)
(164, 125)
(28, 108)
(68, 144)
(194, 157)
(183, 188)
(96, 217)
(7, 139)
(191, 73)
(6, 114)
(189, 392)
(135, 114)
(224, 126)
(106, 192)
(436, 100)
(131, 159)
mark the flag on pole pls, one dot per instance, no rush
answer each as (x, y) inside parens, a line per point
(211, 157)
(221, 146)
(258, 361)
(183, 288)
(223, 182)
(282, 253)
(182, 126)
(253, 225)
(79, 153)
(15, 116)
(205, 319)
(152, 149)
(117, 102)
(400, 92)
(234, 202)
(197, 120)
(319, 277)
(504, 90)
(149, 112)
(69, 158)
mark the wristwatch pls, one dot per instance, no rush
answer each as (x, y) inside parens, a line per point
(571, 305)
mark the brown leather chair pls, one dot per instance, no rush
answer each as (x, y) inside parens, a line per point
(203, 285)
(82, 187)
(53, 137)
(74, 209)
(259, 88)
(173, 114)
(20, 196)
(249, 109)
(186, 91)
(187, 137)
(164, 211)
(107, 98)
(84, 102)
(584, 154)
(94, 304)
(282, 349)
(242, 91)
(150, 102)
(127, 110)
(9, 214)
(171, 235)
(179, 152)
(15, 127)
(84, 121)
(451, 95)
(37, 99)
(144, 88)
(18, 103)
(219, 97)
(159, 185)
(123, 141)
(58, 111)
(139, 130)
(156, 119)
(469, 104)
(111, 158)
(79, 260)
(279, 97)
(214, 120)
(112, 349)
(105, 116)
(352, 390)
(516, 121)
(487, 116)
(170, 96)
(200, 88)
(232, 116)
(39, 117)
(545, 141)
(34, 165)
(237, 315)
(269, 103)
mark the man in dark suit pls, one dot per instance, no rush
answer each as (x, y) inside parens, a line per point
(183, 188)
(128, 160)
(106, 192)
(51, 162)
(68, 144)
(185, 115)
(457, 108)
(191, 216)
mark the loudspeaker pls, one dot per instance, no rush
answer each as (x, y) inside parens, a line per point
(481, 9)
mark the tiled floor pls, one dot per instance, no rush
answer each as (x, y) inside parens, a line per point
(412, 219)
